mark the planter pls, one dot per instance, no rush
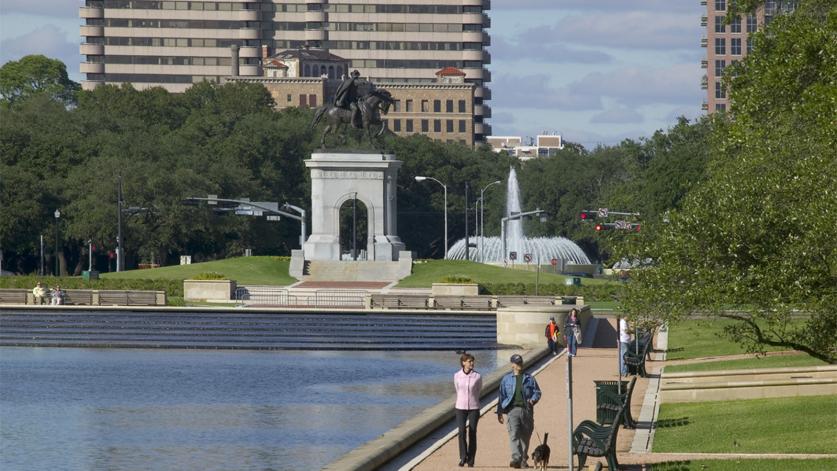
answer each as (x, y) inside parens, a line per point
(455, 289)
(208, 290)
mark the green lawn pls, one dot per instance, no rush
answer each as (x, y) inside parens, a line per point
(426, 272)
(244, 270)
(777, 425)
(701, 338)
(747, 465)
(780, 361)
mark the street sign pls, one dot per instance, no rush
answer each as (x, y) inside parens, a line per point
(513, 255)
(527, 257)
(602, 212)
(554, 262)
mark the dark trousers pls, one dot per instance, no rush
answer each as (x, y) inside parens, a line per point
(553, 346)
(467, 450)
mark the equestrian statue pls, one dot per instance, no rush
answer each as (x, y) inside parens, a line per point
(361, 111)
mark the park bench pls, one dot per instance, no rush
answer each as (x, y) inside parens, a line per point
(78, 296)
(636, 360)
(463, 302)
(609, 402)
(398, 302)
(598, 440)
(15, 295)
(504, 301)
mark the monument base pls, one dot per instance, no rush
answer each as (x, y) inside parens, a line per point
(335, 270)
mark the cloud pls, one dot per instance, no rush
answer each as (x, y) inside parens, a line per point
(597, 5)
(538, 92)
(502, 118)
(690, 112)
(617, 116)
(627, 30)
(545, 49)
(51, 8)
(677, 84)
(48, 40)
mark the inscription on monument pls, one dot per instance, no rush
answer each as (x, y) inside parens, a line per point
(351, 175)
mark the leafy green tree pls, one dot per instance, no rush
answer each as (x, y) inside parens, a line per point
(756, 241)
(36, 74)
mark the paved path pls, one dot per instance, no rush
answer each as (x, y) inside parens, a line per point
(594, 363)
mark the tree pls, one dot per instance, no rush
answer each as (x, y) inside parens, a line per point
(36, 74)
(756, 242)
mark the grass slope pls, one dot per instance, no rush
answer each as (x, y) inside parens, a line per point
(777, 425)
(779, 361)
(244, 270)
(427, 272)
(702, 338)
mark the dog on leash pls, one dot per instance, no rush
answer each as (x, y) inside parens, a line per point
(541, 454)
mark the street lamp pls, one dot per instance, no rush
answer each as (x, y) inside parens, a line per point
(482, 217)
(57, 215)
(421, 179)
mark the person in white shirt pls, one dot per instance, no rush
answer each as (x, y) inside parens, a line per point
(624, 344)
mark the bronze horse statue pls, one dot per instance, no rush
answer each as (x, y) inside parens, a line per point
(372, 106)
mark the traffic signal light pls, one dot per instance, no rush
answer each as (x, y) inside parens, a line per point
(588, 215)
(600, 227)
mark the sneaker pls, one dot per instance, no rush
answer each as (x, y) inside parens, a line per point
(514, 464)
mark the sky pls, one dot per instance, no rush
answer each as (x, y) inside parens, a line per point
(594, 71)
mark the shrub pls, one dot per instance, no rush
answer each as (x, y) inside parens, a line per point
(171, 287)
(457, 279)
(210, 275)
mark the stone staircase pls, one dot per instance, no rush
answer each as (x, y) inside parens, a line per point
(323, 270)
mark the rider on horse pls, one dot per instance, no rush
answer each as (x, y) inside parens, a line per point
(346, 97)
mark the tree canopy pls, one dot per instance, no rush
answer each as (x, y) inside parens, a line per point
(36, 74)
(756, 241)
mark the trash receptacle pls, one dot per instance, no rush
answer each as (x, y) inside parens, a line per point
(89, 275)
(604, 415)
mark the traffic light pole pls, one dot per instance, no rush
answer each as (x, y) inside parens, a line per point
(270, 211)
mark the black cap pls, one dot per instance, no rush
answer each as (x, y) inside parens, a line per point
(516, 359)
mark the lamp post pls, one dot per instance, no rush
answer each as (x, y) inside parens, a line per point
(421, 179)
(57, 215)
(482, 218)
(119, 258)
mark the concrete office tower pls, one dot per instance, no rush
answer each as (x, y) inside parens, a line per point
(728, 43)
(176, 43)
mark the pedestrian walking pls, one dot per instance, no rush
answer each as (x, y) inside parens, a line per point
(468, 385)
(624, 344)
(519, 392)
(572, 333)
(551, 334)
(39, 293)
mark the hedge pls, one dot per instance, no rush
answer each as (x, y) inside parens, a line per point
(171, 287)
(608, 292)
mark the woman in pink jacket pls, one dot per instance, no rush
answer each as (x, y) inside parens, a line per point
(468, 384)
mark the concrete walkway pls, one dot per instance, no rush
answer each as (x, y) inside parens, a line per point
(595, 362)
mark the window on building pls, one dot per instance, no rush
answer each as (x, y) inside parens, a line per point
(719, 90)
(449, 106)
(735, 46)
(752, 26)
(720, 46)
(396, 106)
(437, 106)
(425, 106)
(720, 24)
(312, 101)
(396, 125)
(290, 97)
(437, 125)
(462, 125)
(410, 110)
(449, 125)
(720, 65)
(749, 45)
(462, 106)
(425, 125)
(735, 26)
(409, 124)
(720, 106)
(303, 101)
(720, 5)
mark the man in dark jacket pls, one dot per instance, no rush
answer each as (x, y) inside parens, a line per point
(519, 392)
(346, 96)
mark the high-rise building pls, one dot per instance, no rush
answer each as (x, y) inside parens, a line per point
(176, 43)
(729, 41)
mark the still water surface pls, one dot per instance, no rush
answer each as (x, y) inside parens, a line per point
(100, 409)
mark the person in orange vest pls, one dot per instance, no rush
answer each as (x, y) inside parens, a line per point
(551, 334)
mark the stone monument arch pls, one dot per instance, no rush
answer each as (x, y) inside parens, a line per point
(340, 177)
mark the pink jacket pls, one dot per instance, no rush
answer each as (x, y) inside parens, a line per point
(468, 387)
